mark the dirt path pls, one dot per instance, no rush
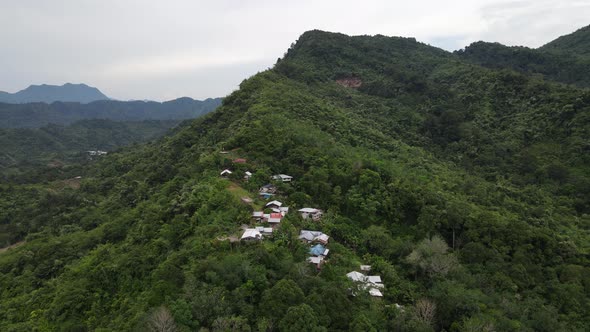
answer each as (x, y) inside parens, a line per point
(12, 246)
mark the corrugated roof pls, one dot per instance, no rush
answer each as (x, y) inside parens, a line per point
(251, 233)
(375, 292)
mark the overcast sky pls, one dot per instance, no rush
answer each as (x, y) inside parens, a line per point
(161, 50)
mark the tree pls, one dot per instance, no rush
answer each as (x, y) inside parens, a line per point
(425, 311)
(161, 320)
(300, 318)
(431, 257)
(283, 295)
(232, 324)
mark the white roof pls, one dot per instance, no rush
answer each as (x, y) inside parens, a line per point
(274, 220)
(264, 230)
(326, 252)
(257, 214)
(251, 233)
(365, 267)
(276, 210)
(282, 176)
(323, 237)
(313, 236)
(248, 173)
(308, 210)
(375, 292)
(284, 209)
(374, 279)
(277, 203)
(225, 171)
(315, 260)
(356, 276)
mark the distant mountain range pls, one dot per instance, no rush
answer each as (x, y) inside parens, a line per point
(68, 92)
(33, 115)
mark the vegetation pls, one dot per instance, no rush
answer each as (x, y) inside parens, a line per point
(465, 188)
(33, 115)
(566, 59)
(577, 42)
(36, 155)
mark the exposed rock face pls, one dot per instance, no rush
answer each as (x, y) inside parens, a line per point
(350, 82)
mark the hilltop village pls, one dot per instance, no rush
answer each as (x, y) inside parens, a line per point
(269, 211)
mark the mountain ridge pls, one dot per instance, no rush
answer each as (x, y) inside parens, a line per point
(67, 92)
(32, 115)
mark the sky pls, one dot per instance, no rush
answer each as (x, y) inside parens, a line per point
(161, 50)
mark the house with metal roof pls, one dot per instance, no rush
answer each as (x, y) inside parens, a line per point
(313, 236)
(372, 283)
(315, 214)
(251, 234)
(273, 204)
(282, 178)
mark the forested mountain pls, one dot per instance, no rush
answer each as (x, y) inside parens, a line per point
(68, 92)
(566, 59)
(565, 67)
(33, 115)
(53, 147)
(577, 42)
(467, 190)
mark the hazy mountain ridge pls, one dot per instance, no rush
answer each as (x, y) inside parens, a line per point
(68, 92)
(39, 114)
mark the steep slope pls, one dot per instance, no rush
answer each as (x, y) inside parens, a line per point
(577, 42)
(80, 93)
(40, 114)
(409, 151)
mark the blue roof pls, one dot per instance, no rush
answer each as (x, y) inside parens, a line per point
(317, 250)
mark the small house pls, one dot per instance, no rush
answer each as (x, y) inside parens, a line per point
(365, 268)
(372, 283)
(316, 260)
(268, 188)
(274, 218)
(273, 204)
(225, 173)
(282, 178)
(265, 231)
(313, 236)
(312, 213)
(247, 175)
(258, 215)
(251, 234)
(239, 161)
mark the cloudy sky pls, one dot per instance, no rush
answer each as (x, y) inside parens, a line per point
(160, 50)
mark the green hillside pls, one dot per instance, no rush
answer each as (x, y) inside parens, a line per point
(577, 42)
(566, 67)
(27, 153)
(465, 188)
